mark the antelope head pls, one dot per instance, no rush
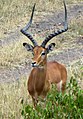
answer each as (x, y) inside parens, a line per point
(40, 52)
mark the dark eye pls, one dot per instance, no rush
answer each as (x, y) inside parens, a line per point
(43, 53)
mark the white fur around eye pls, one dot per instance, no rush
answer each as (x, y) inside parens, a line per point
(43, 54)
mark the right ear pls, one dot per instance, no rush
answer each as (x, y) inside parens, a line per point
(28, 46)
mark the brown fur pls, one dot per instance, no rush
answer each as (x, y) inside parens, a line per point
(42, 77)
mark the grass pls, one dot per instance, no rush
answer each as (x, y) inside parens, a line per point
(10, 98)
(10, 9)
(14, 14)
(9, 55)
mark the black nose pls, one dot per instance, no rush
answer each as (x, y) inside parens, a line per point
(33, 64)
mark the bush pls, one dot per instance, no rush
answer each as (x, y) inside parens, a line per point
(58, 106)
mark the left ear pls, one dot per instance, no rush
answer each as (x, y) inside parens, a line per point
(50, 47)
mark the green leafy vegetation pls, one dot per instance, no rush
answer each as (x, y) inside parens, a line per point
(58, 106)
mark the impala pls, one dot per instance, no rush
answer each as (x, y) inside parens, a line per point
(44, 73)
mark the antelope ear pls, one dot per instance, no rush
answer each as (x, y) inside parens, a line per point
(50, 47)
(28, 46)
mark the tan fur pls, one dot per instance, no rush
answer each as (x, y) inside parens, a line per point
(44, 75)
